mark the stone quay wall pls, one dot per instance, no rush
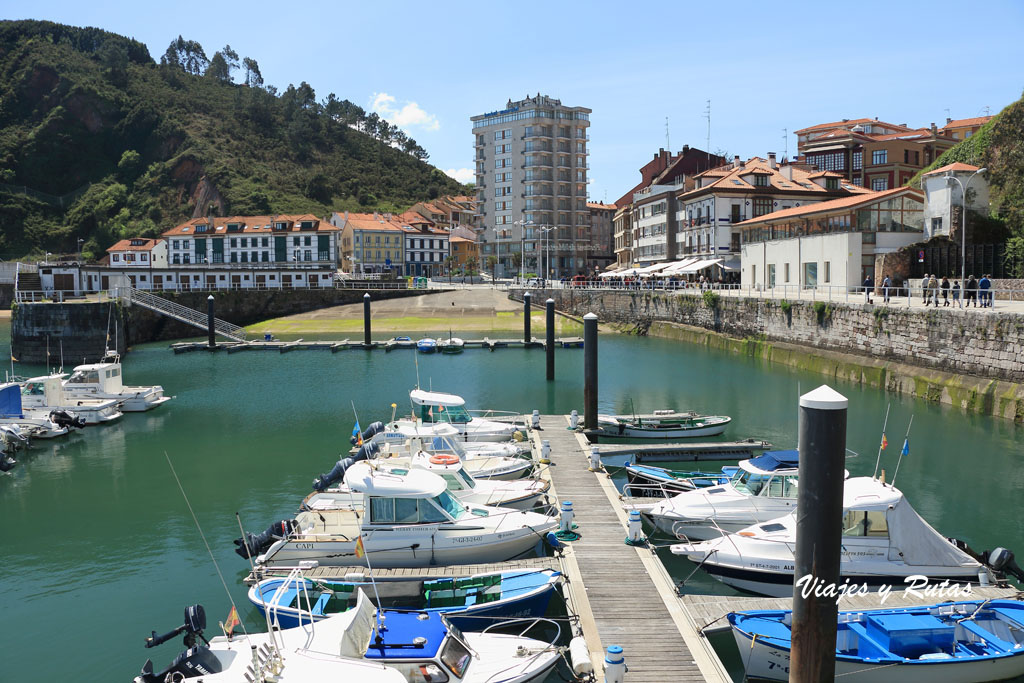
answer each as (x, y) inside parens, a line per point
(970, 359)
(82, 327)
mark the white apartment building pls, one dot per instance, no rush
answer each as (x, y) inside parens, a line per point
(253, 239)
(942, 195)
(138, 252)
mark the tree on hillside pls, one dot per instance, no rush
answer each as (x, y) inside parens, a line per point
(231, 57)
(187, 55)
(253, 77)
(114, 58)
(218, 69)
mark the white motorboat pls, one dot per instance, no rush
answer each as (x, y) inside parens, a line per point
(481, 464)
(43, 395)
(521, 494)
(451, 345)
(663, 424)
(444, 436)
(432, 407)
(884, 542)
(361, 644)
(761, 489)
(13, 416)
(402, 518)
(103, 381)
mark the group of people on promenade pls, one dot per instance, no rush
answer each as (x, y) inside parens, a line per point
(974, 291)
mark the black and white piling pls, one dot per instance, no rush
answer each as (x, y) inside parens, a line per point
(526, 318)
(366, 320)
(818, 533)
(590, 371)
(209, 322)
(549, 330)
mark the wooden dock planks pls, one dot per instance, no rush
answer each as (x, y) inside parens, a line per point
(625, 603)
(345, 344)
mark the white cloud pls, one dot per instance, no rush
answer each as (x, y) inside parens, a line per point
(463, 175)
(409, 115)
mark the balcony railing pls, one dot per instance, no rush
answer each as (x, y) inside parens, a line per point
(529, 149)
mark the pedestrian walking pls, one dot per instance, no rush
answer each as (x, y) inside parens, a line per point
(933, 292)
(971, 292)
(956, 294)
(985, 285)
(886, 284)
(924, 290)
(869, 284)
(945, 292)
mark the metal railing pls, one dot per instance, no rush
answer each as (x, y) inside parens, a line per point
(181, 313)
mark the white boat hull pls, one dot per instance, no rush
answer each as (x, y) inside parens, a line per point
(768, 662)
(666, 433)
(133, 399)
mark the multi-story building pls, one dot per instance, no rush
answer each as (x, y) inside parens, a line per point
(623, 233)
(464, 253)
(706, 215)
(370, 243)
(426, 249)
(449, 211)
(138, 252)
(871, 153)
(531, 179)
(602, 241)
(961, 129)
(270, 240)
(943, 199)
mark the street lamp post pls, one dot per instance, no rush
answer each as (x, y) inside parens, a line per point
(547, 252)
(80, 241)
(522, 243)
(963, 222)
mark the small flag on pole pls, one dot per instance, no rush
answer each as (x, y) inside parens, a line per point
(13, 359)
(885, 441)
(357, 434)
(906, 447)
(360, 550)
(232, 621)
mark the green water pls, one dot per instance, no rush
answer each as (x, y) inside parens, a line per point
(98, 547)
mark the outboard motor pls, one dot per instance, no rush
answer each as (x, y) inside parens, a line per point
(365, 452)
(63, 418)
(196, 660)
(251, 545)
(7, 463)
(370, 432)
(1002, 560)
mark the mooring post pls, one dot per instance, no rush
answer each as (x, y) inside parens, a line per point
(590, 371)
(209, 321)
(526, 317)
(366, 320)
(818, 534)
(549, 331)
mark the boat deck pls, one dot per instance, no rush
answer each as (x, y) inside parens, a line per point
(622, 594)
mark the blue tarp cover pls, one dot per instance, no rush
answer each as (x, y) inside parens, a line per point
(10, 402)
(776, 460)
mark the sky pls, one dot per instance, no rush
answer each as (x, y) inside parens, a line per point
(765, 67)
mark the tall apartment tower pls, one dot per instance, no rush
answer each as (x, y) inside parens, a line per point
(531, 180)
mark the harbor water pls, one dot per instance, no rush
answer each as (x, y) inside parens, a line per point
(99, 547)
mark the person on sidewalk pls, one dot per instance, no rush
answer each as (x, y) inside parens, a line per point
(971, 292)
(945, 292)
(956, 294)
(924, 290)
(932, 292)
(886, 284)
(869, 285)
(985, 285)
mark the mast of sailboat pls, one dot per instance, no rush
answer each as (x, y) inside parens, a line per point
(883, 442)
(903, 451)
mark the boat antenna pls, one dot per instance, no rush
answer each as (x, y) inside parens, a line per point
(48, 368)
(106, 342)
(61, 368)
(203, 536)
(798, 418)
(416, 362)
(632, 408)
(884, 442)
(904, 451)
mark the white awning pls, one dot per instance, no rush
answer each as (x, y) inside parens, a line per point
(620, 273)
(733, 265)
(677, 267)
(656, 269)
(700, 265)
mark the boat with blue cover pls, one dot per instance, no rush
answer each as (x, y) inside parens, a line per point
(661, 482)
(426, 345)
(960, 642)
(469, 603)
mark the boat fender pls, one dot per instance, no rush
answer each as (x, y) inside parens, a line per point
(444, 459)
(579, 653)
(252, 545)
(518, 436)
(552, 540)
(7, 463)
(614, 665)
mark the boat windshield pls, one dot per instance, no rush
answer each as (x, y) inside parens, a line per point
(467, 480)
(455, 655)
(870, 523)
(84, 377)
(749, 482)
(33, 389)
(454, 483)
(455, 414)
(447, 502)
(405, 511)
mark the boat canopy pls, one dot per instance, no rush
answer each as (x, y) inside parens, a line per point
(362, 620)
(866, 493)
(914, 541)
(435, 398)
(770, 461)
(10, 400)
(364, 478)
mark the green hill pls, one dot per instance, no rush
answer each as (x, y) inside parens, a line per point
(100, 142)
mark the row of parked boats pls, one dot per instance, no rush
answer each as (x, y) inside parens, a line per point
(443, 486)
(50, 406)
(739, 525)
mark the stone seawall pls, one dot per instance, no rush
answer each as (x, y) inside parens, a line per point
(969, 359)
(82, 327)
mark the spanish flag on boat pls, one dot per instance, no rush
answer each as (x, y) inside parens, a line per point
(360, 550)
(885, 441)
(232, 621)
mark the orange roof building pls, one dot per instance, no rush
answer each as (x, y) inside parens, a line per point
(961, 129)
(138, 252)
(370, 242)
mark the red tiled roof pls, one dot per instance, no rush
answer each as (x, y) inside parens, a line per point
(956, 167)
(599, 205)
(965, 123)
(126, 245)
(250, 224)
(849, 123)
(732, 179)
(850, 202)
(369, 221)
(462, 239)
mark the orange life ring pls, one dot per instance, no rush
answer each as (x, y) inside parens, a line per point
(443, 459)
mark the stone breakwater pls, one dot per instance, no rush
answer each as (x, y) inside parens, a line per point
(968, 359)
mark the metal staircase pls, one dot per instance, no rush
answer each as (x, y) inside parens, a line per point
(182, 313)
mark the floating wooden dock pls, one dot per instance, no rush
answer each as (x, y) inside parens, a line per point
(346, 344)
(662, 452)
